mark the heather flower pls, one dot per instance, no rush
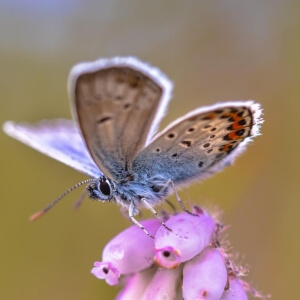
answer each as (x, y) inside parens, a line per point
(188, 262)
(188, 238)
(131, 251)
(235, 290)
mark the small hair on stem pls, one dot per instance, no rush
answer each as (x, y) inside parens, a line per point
(40, 213)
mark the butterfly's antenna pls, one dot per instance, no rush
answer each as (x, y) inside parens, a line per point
(43, 211)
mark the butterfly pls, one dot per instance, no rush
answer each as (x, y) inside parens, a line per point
(117, 105)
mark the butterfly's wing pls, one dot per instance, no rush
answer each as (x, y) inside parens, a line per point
(118, 104)
(200, 143)
(59, 139)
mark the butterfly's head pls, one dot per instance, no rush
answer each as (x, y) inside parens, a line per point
(101, 189)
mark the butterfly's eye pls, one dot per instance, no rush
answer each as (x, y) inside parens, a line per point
(105, 188)
(100, 189)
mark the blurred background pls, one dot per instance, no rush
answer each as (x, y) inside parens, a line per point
(213, 51)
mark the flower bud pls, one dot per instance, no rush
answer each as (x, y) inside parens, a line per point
(137, 285)
(235, 291)
(164, 285)
(188, 236)
(129, 252)
(205, 276)
(106, 271)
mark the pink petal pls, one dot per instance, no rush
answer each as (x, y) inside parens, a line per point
(205, 276)
(106, 271)
(189, 235)
(164, 285)
(167, 257)
(236, 290)
(132, 250)
(136, 286)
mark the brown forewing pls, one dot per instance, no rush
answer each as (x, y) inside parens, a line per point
(115, 109)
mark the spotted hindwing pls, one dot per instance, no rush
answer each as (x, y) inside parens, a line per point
(201, 142)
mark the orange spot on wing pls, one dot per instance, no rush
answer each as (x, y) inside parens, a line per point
(233, 136)
(236, 126)
(209, 116)
(234, 115)
(226, 147)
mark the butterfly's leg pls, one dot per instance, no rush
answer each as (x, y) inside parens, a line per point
(155, 213)
(131, 214)
(162, 189)
(165, 185)
(179, 200)
(80, 199)
(124, 212)
(172, 206)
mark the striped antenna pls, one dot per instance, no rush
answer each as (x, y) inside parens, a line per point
(43, 211)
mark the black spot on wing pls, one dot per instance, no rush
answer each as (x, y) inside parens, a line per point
(104, 120)
(186, 143)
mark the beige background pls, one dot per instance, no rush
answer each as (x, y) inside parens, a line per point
(213, 51)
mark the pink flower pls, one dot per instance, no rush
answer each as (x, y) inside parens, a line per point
(106, 271)
(205, 276)
(184, 263)
(131, 251)
(189, 236)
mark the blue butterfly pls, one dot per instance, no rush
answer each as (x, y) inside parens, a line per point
(117, 106)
